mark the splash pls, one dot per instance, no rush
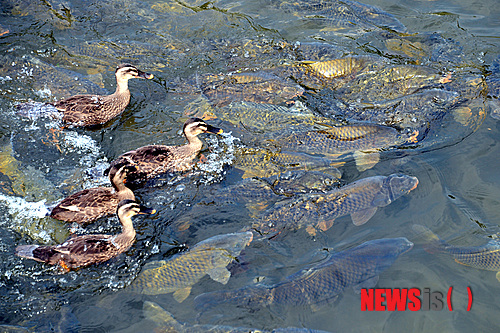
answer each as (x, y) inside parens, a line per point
(31, 218)
(221, 153)
(82, 144)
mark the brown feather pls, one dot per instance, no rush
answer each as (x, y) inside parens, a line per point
(91, 204)
(90, 110)
(154, 160)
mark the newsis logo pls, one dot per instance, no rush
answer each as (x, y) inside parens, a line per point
(412, 299)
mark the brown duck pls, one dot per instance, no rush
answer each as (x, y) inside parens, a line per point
(91, 204)
(88, 110)
(153, 160)
(80, 251)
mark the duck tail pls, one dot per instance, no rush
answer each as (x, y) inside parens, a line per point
(35, 110)
(26, 251)
(432, 243)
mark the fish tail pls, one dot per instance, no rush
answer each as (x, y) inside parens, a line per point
(433, 244)
(157, 314)
(26, 251)
(34, 110)
(250, 297)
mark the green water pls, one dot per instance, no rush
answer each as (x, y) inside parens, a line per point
(58, 48)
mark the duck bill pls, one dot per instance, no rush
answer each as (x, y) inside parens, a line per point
(146, 210)
(214, 130)
(145, 75)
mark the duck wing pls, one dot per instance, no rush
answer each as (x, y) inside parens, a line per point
(80, 104)
(86, 206)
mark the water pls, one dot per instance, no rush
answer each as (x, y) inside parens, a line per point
(55, 49)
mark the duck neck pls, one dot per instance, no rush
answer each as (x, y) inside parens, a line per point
(123, 191)
(121, 87)
(128, 231)
(195, 144)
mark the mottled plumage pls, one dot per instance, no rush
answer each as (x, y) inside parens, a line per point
(80, 251)
(178, 274)
(319, 210)
(91, 204)
(154, 160)
(88, 110)
(358, 267)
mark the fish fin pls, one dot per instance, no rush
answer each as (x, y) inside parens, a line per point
(362, 216)
(325, 225)
(433, 244)
(248, 174)
(154, 264)
(366, 284)
(220, 274)
(255, 208)
(181, 294)
(498, 276)
(156, 313)
(365, 161)
(315, 308)
(311, 230)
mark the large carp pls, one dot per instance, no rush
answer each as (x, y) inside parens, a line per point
(485, 256)
(363, 140)
(178, 274)
(319, 210)
(358, 267)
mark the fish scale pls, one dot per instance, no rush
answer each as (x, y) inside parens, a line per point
(483, 257)
(319, 283)
(343, 139)
(182, 271)
(359, 199)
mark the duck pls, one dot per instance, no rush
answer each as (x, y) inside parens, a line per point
(89, 110)
(91, 204)
(154, 160)
(80, 251)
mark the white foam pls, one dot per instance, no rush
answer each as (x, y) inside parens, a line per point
(221, 153)
(24, 209)
(22, 213)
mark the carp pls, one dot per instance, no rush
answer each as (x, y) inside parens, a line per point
(178, 274)
(358, 267)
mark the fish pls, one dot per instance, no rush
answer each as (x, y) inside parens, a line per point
(258, 87)
(485, 256)
(269, 117)
(346, 17)
(362, 140)
(418, 110)
(267, 163)
(167, 323)
(360, 199)
(358, 267)
(181, 272)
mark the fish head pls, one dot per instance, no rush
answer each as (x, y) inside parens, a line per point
(393, 187)
(267, 229)
(234, 243)
(382, 253)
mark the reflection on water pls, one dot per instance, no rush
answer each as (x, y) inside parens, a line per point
(430, 70)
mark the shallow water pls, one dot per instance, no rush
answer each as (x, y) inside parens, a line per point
(55, 49)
